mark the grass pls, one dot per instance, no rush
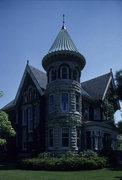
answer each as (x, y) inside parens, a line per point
(9, 172)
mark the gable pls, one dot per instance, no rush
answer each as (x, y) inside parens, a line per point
(36, 77)
(97, 87)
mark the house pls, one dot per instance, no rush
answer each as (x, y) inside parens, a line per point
(55, 112)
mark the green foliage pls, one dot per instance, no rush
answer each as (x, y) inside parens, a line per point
(1, 93)
(88, 154)
(45, 155)
(6, 129)
(62, 164)
(118, 78)
(119, 127)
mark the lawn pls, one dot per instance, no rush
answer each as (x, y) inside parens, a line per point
(11, 173)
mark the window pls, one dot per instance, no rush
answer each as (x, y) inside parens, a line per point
(77, 96)
(64, 102)
(36, 115)
(51, 144)
(53, 75)
(88, 139)
(97, 114)
(24, 117)
(65, 137)
(78, 137)
(64, 72)
(51, 103)
(30, 119)
(24, 138)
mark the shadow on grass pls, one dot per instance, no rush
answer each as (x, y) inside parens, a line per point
(119, 168)
(118, 177)
(7, 166)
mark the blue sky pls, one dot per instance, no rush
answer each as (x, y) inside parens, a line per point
(29, 27)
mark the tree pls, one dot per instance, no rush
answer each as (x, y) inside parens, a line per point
(6, 129)
(118, 79)
(1, 93)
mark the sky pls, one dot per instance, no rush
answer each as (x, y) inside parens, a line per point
(29, 27)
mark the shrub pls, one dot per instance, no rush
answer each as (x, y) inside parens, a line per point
(88, 154)
(62, 164)
(45, 155)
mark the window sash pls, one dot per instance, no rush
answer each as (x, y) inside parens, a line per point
(30, 119)
(51, 137)
(51, 103)
(65, 137)
(64, 102)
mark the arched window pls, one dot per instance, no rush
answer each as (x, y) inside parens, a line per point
(52, 75)
(64, 72)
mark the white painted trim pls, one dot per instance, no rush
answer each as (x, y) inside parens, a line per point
(106, 88)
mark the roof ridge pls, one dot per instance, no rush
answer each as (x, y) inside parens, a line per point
(36, 69)
(96, 77)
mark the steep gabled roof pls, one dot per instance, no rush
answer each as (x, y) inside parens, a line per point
(39, 79)
(39, 76)
(97, 87)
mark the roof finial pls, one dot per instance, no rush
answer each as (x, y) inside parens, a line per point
(63, 27)
(27, 62)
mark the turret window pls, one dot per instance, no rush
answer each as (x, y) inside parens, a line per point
(65, 137)
(64, 72)
(64, 102)
(51, 143)
(76, 74)
(51, 103)
(77, 96)
(53, 75)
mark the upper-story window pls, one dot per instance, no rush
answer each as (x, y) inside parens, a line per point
(53, 75)
(76, 74)
(36, 115)
(64, 72)
(77, 96)
(51, 103)
(30, 119)
(64, 102)
(97, 114)
(86, 107)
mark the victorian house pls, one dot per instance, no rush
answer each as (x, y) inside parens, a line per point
(55, 112)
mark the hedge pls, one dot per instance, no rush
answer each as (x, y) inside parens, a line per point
(62, 164)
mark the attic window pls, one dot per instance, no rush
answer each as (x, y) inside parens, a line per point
(97, 114)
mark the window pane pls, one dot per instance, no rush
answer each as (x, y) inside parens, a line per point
(64, 101)
(30, 119)
(53, 75)
(65, 137)
(77, 102)
(51, 103)
(64, 73)
(51, 137)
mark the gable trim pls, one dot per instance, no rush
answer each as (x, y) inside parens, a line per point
(27, 70)
(106, 89)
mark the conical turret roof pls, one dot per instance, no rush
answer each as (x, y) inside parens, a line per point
(63, 42)
(63, 47)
